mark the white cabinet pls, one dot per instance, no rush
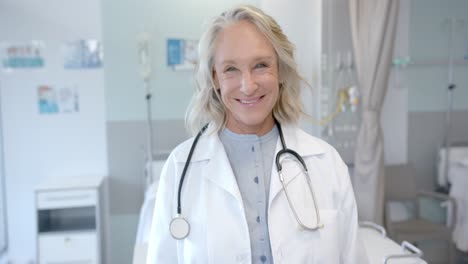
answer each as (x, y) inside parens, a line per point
(70, 217)
(69, 248)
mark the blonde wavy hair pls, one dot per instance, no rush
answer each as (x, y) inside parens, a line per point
(206, 105)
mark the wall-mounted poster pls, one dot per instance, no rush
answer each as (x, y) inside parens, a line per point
(47, 100)
(61, 100)
(182, 53)
(68, 99)
(82, 54)
(28, 55)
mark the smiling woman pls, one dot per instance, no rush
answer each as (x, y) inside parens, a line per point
(254, 188)
(246, 76)
(224, 44)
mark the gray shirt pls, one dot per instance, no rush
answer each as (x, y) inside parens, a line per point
(251, 158)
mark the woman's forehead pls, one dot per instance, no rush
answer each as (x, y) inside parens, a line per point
(242, 41)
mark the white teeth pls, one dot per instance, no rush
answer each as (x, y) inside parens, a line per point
(249, 102)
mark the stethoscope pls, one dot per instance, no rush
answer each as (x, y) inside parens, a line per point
(180, 227)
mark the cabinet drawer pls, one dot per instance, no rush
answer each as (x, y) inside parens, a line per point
(68, 248)
(68, 198)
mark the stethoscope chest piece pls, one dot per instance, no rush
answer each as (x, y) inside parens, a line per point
(179, 227)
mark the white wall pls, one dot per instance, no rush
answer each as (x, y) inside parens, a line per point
(3, 227)
(58, 145)
(429, 34)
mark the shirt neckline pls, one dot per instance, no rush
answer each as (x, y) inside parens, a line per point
(227, 133)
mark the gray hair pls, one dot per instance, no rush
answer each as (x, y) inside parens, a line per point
(206, 105)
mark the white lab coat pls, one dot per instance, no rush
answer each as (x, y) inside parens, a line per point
(212, 203)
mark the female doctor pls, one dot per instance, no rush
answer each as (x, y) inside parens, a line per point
(251, 187)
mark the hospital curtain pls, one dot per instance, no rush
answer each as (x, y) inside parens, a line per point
(373, 28)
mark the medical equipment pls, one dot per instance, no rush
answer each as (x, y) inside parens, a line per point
(450, 89)
(339, 105)
(399, 65)
(71, 220)
(347, 92)
(180, 227)
(457, 179)
(145, 73)
(458, 161)
(380, 249)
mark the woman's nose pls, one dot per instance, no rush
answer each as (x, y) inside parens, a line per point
(249, 85)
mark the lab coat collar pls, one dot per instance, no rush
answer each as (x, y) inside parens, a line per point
(219, 171)
(209, 145)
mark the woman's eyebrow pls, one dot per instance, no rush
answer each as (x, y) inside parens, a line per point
(259, 58)
(264, 58)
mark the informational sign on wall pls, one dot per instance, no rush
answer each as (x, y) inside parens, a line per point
(54, 101)
(182, 53)
(26, 55)
(83, 54)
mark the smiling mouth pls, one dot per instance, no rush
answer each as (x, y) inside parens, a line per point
(252, 101)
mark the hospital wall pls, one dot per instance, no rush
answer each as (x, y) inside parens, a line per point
(38, 146)
(3, 212)
(427, 80)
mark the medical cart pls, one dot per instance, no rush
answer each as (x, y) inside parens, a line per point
(70, 216)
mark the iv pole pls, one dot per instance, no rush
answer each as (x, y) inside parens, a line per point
(450, 89)
(145, 72)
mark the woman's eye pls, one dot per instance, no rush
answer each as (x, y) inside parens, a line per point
(230, 69)
(260, 65)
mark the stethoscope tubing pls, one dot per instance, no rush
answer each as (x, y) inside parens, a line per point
(179, 220)
(189, 158)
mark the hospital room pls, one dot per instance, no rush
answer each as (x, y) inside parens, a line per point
(234, 131)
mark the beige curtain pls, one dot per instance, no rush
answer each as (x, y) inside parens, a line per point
(373, 27)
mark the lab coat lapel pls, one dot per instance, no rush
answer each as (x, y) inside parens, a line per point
(304, 145)
(219, 170)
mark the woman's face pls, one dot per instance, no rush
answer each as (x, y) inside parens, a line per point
(246, 73)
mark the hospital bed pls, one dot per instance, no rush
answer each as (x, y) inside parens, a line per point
(457, 178)
(379, 248)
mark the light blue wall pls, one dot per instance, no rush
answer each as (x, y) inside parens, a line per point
(3, 224)
(429, 41)
(123, 21)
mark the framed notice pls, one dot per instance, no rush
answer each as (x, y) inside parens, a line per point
(17, 56)
(182, 54)
(82, 54)
(53, 100)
